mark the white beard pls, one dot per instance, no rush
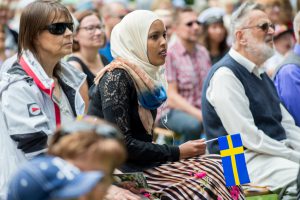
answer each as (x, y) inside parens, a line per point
(261, 51)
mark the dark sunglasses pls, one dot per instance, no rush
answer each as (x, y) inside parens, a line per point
(121, 16)
(264, 27)
(59, 28)
(189, 24)
(103, 130)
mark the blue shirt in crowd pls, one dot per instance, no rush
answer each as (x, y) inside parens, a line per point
(105, 51)
(287, 82)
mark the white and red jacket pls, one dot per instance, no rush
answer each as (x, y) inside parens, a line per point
(28, 114)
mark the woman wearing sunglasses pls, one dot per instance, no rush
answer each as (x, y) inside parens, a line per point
(89, 38)
(128, 92)
(92, 144)
(39, 92)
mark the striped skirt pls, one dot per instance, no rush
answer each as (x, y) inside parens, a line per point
(192, 179)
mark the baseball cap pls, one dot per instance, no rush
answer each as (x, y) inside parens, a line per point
(281, 29)
(48, 177)
(211, 15)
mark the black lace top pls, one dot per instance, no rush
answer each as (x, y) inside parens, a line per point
(115, 99)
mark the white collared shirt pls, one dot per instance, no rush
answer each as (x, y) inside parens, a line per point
(227, 95)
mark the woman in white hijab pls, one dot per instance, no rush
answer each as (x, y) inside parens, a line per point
(128, 91)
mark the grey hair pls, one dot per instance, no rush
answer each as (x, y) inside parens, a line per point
(238, 18)
(107, 9)
(296, 25)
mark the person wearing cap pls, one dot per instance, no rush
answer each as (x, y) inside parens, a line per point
(187, 64)
(214, 36)
(287, 77)
(93, 144)
(39, 91)
(52, 178)
(283, 43)
(239, 97)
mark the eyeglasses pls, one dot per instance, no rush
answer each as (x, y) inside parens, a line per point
(59, 28)
(264, 27)
(190, 24)
(118, 16)
(92, 28)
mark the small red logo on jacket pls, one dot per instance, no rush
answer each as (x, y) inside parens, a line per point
(34, 109)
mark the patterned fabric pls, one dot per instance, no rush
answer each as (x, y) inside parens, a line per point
(188, 71)
(150, 95)
(115, 99)
(192, 179)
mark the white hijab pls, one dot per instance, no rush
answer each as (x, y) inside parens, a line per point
(129, 41)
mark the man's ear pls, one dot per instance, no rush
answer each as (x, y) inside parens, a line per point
(240, 37)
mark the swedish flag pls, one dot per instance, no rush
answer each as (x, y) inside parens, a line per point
(233, 160)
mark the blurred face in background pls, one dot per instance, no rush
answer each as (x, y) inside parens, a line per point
(188, 27)
(2, 40)
(284, 43)
(91, 33)
(118, 11)
(272, 9)
(167, 20)
(216, 32)
(3, 13)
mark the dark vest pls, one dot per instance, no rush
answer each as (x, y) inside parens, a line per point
(263, 98)
(291, 58)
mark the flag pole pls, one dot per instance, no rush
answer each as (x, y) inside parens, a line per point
(210, 140)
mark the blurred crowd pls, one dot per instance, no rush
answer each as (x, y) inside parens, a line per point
(144, 64)
(214, 16)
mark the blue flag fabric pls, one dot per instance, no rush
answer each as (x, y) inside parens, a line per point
(233, 160)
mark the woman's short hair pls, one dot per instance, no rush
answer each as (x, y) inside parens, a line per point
(79, 16)
(35, 17)
(91, 134)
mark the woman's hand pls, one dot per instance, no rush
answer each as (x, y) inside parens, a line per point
(192, 148)
(117, 193)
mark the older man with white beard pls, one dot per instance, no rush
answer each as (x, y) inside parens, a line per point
(238, 97)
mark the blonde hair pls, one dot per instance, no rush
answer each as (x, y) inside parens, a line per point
(78, 143)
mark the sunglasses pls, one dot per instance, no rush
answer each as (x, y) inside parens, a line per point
(264, 27)
(59, 28)
(189, 24)
(103, 130)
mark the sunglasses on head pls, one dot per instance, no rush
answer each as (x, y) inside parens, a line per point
(189, 24)
(264, 27)
(59, 28)
(104, 130)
